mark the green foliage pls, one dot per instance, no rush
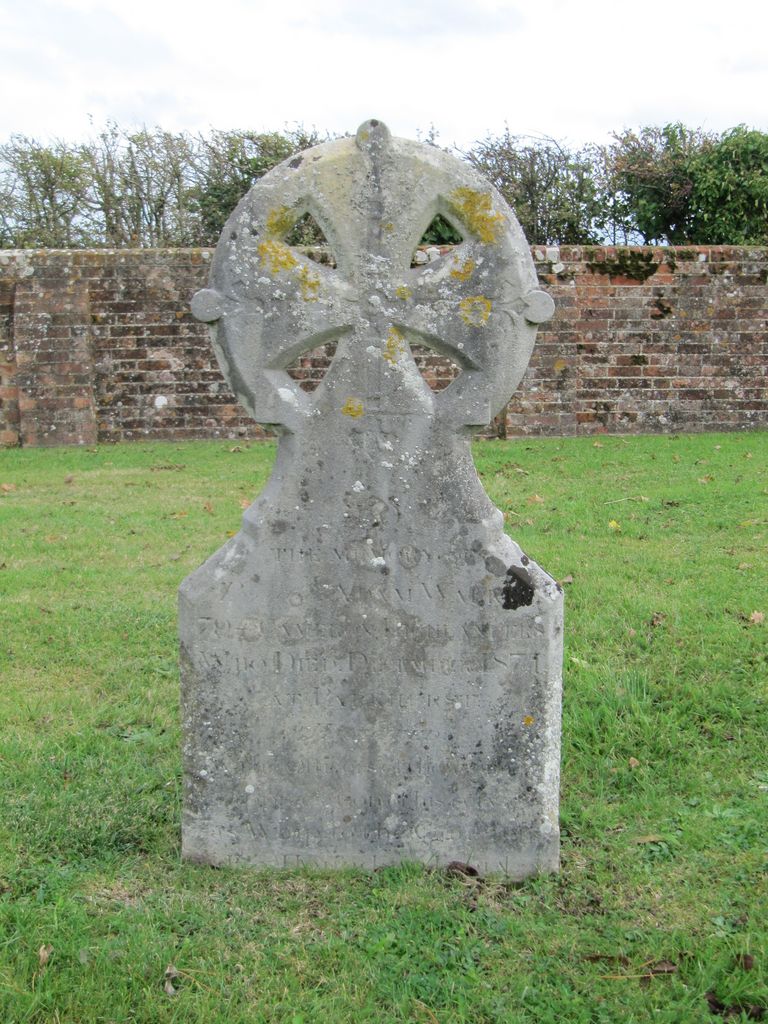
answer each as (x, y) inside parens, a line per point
(659, 914)
(730, 189)
(147, 187)
(228, 163)
(440, 232)
(140, 186)
(143, 188)
(43, 195)
(550, 188)
(686, 187)
(654, 171)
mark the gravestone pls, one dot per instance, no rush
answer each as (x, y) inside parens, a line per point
(371, 667)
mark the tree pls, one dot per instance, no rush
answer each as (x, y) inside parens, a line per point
(730, 190)
(653, 171)
(144, 187)
(228, 163)
(147, 187)
(44, 191)
(140, 187)
(551, 189)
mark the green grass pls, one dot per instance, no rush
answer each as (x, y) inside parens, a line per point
(662, 898)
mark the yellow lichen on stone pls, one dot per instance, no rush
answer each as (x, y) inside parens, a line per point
(528, 720)
(388, 226)
(463, 271)
(280, 221)
(475, 210)
(475, 310)
(309, 284)
(277, 255)
(403, 292)
(395, 346)
(352, 407)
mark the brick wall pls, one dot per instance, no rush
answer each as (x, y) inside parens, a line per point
(99, 345)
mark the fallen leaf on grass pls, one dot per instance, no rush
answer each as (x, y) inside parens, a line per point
(744, 565)
(657, 619)
(69, 479)
(652, 838)
(663, 967)
(706, 479)
(7, 488)
(567, 579)
(752, 1011)
(630, 497)
(633, 762)
(756, 618)
(244, 503)
(178, 515)
(598, 444)
(535, 499)
(237, 448)
(208, 507)
(44, 955)
(617, 958)
(746, 961)
(613, 525)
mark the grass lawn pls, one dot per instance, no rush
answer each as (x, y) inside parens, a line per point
(660, 912)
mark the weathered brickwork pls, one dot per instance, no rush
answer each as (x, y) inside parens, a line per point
(99, 345)
(648, 340)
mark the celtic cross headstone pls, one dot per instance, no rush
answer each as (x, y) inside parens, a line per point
(371, 667)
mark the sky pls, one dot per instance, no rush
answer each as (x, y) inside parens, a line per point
(574, 70)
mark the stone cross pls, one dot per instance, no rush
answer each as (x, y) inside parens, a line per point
(371, 667)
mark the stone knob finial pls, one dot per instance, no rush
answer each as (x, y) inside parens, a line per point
(538, 306)
(207, 306)
(371, 135)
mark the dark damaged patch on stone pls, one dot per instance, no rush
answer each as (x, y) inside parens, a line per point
(296, 162)
(518, 589)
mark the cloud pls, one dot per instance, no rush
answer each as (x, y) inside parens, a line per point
(417, 20)
(56, 41)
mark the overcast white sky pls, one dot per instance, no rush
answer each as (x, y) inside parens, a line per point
(572, 69)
